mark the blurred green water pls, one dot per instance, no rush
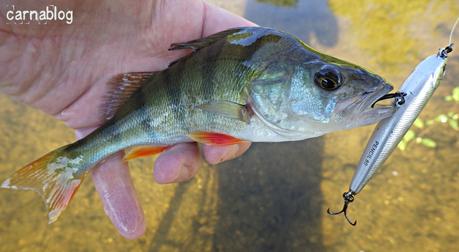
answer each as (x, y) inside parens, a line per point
(275, 197)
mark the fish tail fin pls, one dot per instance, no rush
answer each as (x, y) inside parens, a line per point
(56, 177)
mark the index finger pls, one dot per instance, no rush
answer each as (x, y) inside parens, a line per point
(116, 190)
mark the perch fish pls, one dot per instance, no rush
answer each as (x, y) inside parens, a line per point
(243, 84)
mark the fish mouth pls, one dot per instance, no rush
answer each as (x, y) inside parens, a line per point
(363, 110)
(370, 107)
(371, 98)
(366, 101)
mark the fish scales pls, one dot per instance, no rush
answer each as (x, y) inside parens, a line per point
(171, 95)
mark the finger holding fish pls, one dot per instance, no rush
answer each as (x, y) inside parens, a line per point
(218, 154)
(182, 161)
(116, 190)
(114, 185)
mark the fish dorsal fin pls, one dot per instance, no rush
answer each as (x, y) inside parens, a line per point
(228, 109)
(122, 87)
(198, 44)
(203, 42)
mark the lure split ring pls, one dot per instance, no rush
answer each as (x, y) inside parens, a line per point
(399, 98)
(348, 198)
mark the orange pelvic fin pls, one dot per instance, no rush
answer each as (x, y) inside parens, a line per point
(145, 151)
(213, 138)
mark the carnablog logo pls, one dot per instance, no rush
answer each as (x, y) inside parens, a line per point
(49, 13)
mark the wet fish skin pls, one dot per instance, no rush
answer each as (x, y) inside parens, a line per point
(243, 84)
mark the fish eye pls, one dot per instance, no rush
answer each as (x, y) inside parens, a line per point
(328, 78)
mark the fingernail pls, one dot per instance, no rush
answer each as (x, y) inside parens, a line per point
(130, 224)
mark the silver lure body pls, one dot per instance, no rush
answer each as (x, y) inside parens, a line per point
(418, 88)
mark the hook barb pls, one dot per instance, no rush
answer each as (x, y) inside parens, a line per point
(348, 198)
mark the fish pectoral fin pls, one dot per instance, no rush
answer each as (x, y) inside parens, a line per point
(145, 151)
(122, 87)
(227, 109)
(213, 138)
(203, 42)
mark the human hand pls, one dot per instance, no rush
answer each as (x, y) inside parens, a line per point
(63, 70)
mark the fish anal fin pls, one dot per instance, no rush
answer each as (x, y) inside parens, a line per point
(122, 87)
(54, 176)
(144, 151)
(213, 138)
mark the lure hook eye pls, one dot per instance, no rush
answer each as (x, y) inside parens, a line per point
(443, 53)
(400, 98)
(348, 198)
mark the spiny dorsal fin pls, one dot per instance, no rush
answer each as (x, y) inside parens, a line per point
(239, 38)
(122, 87)
(203, 42)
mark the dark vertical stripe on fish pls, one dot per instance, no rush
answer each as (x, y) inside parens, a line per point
(209, 84)
(170, 79)
(145, 117)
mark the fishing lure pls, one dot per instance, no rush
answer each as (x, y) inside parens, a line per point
(410, 100)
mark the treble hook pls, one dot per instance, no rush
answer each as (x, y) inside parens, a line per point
(348, 198)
